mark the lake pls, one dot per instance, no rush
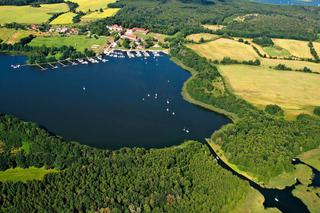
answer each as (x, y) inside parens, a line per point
(292, 2)
(125, 102)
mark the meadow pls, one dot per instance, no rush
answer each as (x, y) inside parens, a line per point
(295, 92)
(213, 27)
(30, 15)
(24, 175)
(99, 15)
(86, 5)
(308, 195)
(65, 18)
(276, 51)
(12, 36)
(80, 42)
(205, 36)
(297, 65)
(296, 48)
(223, 47)
(311, 158)
(316, 46)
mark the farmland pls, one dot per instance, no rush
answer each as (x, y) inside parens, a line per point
(295, 92)
(220, 48)
(296, 48)
(205, 36)
(88, 5)
(316, 45)
(99, 15)
(12, 36)
(65, 18)
(19, 174)
(77, 41)
(276, 51)
(30, 15)
(297, 65)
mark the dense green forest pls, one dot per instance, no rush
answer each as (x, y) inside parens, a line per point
(170, 16)
(176, 179)
(27, 2)
(258, 142)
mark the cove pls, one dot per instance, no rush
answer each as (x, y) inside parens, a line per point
(125, 102)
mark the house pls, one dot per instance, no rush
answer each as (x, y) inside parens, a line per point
(115, 27)
(129, 36)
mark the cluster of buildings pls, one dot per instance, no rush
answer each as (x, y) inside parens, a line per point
(64, 30)
(128, 33)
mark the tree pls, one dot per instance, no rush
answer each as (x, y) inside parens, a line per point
(274, 109)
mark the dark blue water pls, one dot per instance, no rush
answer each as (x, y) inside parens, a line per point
(291, 2)
(110, 112)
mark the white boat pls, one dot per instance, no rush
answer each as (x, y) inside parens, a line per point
(173, 113)
(276, 199)
(167, 109)
(83, 88)
(187, 131)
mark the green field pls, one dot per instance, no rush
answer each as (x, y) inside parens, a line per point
(86, 5)
(295, 92)
(275, 51)
(80, 42)
(311, 158)
(65, 18)
(12, 36)
(19, 174)
(30, 15)
(309, 196)
(99, 15)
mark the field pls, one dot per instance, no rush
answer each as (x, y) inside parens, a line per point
(276, 51)
(79, 42)
(65, 18)
(30, 15)
(296, 48)
(309, 196)
(311, 158)
(295, 92)
(86, 5)
(298, 65)
(213, 27)
(99, 15)
(316, 45)
(205, 36)
(12, 36)
(222, 47)
(19, 174)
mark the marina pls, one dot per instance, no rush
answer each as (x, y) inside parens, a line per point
(93, 60)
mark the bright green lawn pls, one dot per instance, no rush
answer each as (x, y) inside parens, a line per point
(277, 51)
(19, 174)
(30, 15)
(80, 42)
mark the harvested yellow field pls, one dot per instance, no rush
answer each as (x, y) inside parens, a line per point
(316, 46)
(12, 36)
(296, 65)
(296, 48)
(30, 15)
(206, 36)
(99, 15)
(92, 5)
(213, 27)
(65, 18)
(295, 92)
(223, 47)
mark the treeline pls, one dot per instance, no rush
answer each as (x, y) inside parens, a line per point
(28, 2)
(258, 143)
(178, 179)
(44, 54)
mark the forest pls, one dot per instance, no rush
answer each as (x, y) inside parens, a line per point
(170, 17)
(175, 179)
(27, 2)
(259, 142)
